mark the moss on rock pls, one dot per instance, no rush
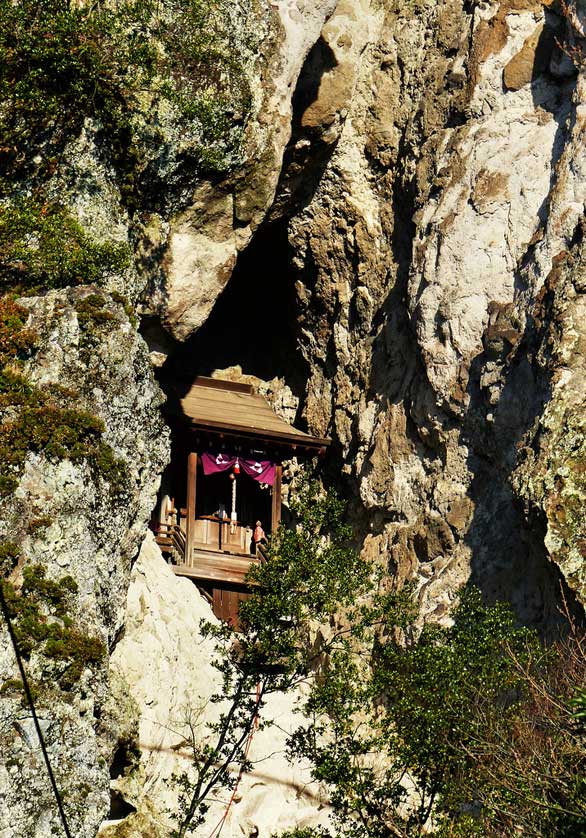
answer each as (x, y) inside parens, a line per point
(43, 246)
(551, 477)
(42, 419)
(40, 612)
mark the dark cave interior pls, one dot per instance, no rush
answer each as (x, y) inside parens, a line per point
(253, 322)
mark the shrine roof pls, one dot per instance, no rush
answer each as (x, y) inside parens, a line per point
(227, 407)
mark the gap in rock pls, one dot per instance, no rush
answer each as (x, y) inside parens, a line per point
(253, 323)
(253, 326)
(309, 149)
(124, 758)
(119, 808)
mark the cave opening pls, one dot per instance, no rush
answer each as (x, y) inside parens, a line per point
(254, 327)
(253, 324)
(220, 495)
(119, 807)
(125, 758)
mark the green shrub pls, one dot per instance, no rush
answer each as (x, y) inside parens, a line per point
(15, 340)
(58, 433)
(9, 555)
(127, 306)
(11, 685)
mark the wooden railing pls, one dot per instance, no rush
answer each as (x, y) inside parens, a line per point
(262, 552)
(171, 539)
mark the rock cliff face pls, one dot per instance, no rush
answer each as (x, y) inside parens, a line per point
(420, 260)
(404, 183)
(191, 253)
(169, 669)
(74, 519)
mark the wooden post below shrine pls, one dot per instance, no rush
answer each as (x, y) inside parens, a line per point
(276, 496)
(190, 522)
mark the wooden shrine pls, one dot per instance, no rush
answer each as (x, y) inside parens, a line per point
(223, 483)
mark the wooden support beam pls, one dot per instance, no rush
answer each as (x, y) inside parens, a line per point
(276, 495)
(190, 521)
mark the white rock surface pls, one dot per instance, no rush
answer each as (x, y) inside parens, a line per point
(204, 241)
(168, 667)
(419, 258)
(479, 229)
(86, 530)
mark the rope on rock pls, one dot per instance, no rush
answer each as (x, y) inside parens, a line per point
(233, 516)
(29, 698)
(254, 727)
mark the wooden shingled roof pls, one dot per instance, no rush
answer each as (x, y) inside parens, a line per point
(219, 406)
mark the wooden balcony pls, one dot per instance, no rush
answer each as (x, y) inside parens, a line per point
(218, 573)
(212, 566)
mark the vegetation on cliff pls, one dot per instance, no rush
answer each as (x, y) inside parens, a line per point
(469, 730)
(45, 420)
(40, 611)
(62, 63)
(311, 573)
(42, 246)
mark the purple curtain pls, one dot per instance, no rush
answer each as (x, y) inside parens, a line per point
(261, 470)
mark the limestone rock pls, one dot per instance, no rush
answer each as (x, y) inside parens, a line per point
(201, 254)
(168, 666)
(418, 260)
(550, 476)
(82, 533)
(435, 219)
(204, 240)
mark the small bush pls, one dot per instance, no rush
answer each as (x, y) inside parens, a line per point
(16, 341)
(58, 433)
(127, 306)
(91, 312)
(12, 685)
(42, 246)
(40, 615)
(9, 555)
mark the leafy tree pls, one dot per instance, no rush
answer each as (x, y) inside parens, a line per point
(311, 574)
(529, 765)
(470, 730)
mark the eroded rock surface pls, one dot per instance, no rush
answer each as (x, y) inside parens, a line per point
(427, 160)
(70, 519)
(419, 259)
(550, 474)
(200, 243)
